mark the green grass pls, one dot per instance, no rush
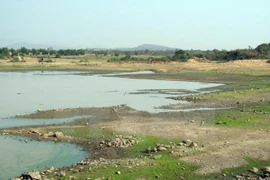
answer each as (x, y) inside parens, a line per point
(255, 117)
(167, 167)
(231, 172)
(234, 93)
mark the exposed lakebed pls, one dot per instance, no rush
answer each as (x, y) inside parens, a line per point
(26, 92)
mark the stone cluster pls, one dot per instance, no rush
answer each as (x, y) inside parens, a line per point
(162, 147)
(119, 141)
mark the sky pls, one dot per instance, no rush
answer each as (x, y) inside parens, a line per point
(184, 24)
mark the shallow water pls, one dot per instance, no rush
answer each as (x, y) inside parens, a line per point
(18, 157)
(26, 92)
(13, 121)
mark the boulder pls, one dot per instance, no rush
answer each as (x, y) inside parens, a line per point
(254, 170)
(62, 173)
(157, 156)
(32, 175)
(266, 170)
(161, 148)
(187, 142)
(193, 144)
(52, 134)
(58, 134)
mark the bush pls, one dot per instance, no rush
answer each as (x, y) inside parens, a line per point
(15, 59)
(84, 60)
(3, 57)
(48, 61)
(114, 60)
(57, 56)
(41, 60)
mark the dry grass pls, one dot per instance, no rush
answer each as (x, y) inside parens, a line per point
(92, 62)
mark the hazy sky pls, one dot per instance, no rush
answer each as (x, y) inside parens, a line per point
(185, 24)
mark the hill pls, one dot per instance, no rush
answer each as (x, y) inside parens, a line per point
(151, 47)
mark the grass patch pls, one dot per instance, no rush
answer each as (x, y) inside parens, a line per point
(167, 167)
(233, 93)
(232, 172)
(256, 117)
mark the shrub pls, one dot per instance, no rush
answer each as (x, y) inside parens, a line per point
(48, 61)
(57, 56)
(114, 60)
(41, 59)
(84, 60)
(15, 59)
(3, 57)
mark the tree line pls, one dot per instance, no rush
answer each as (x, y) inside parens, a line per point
(6, 53)
(260, 52)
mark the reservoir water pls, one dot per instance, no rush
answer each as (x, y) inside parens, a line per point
(26, 92)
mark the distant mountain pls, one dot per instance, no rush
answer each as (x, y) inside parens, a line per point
(35, 46)
(151, 47)
(17, 44)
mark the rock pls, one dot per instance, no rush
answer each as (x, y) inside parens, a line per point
(148, 150)
(62, 173)
(193, 144)
(254, 170)
(266, 170)
(58, 134)
(33, 132)
(167, 146)
(52, 134)
(118, 172)
(49, 134)
(187, 142)
(34, 175)
(220, 122)
(181, 144)
(240, 177)
(157, 156)
(161, 148)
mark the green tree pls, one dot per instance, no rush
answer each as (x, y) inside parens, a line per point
(57, 56)
(52, 52)
(4, 53)
(263, 49)
(34, 51)
(180, 55)
(24, 50)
